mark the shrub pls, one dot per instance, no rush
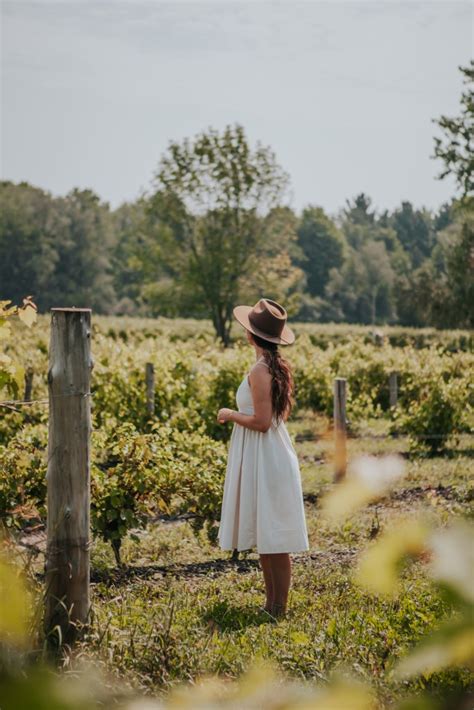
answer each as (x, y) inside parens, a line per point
(222, 388)
(136, 475)
(436, 416)
(23, 476)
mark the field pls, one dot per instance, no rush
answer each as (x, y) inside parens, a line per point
(176, 607)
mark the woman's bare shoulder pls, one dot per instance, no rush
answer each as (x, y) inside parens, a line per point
(258, 373)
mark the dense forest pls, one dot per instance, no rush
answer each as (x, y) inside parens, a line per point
(215, 229)
(404, 267)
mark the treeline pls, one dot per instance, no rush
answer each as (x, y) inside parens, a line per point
(213, 232)
(409, 266)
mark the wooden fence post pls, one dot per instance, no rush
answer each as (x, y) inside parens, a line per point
(393, 387)
(150, 388)
(28, 384)
(67, 565)
(340, 428)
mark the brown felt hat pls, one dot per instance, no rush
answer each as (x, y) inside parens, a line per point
(267, 319)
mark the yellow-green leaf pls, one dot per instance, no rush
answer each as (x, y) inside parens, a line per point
(451, 646)
(27, 314)
(14, 607)
(380, 566)
(368, 478)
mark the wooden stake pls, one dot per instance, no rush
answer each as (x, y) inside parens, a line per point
(28, 384)
(340, 428)
(67, 563)
(150, 388)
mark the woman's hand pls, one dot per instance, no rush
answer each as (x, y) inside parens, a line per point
(224, 415)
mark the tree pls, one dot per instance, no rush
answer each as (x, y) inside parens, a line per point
(55, 249)
(380, 278)
(128, 257)
(213, 193)
(460, 268)
(142, 282)
(323, 248)
(84, 245)
(275, 273)
(454, 260)
(358, 211)
(361, 291)
(457, 239)
(456, 149)
(357, 221)
(415, 232)
(440, 292)
(444, 216)
(28, 242)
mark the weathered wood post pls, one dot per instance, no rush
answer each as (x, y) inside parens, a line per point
(393, 388)
(68, 475)
(28, 384)
(340, 428)
(150, 388)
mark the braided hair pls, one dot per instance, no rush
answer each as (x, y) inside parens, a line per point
(282, 378)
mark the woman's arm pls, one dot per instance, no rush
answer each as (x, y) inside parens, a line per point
(260, 386)
(247, 420)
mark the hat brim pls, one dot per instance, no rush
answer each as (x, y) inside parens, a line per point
(241, 314)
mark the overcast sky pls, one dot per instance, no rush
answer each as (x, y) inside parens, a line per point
(344, 92)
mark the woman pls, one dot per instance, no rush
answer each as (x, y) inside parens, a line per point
(262, 504)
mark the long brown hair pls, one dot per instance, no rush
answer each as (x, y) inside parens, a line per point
(282, 378)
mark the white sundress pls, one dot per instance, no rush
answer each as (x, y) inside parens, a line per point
(262, 504)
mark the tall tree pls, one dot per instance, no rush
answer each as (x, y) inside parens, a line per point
(456, 148)
(140, 279)
(415, 231)
(85, 239)
(357, 220)
(444, 216)
(213, 191)
(457, 153)
(323, 248)
(28, 242)
(453, 260)
(275, 273)
(460, 268)
(380, 278)
(360, 292)
(358, 211)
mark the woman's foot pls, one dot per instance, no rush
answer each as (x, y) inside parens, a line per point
(278, 611)
(267, 609)
(275, 614)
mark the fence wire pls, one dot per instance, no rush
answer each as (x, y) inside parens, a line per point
(13, 403)
(388, 435)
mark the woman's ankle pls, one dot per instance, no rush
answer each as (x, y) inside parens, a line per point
(278, 609)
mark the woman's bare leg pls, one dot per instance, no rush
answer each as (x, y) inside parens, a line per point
(280, 565)
(265, 564)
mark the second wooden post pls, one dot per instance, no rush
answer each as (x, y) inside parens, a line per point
(150, 388)
(340, 428)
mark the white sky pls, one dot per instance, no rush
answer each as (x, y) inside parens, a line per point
(344, 92)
